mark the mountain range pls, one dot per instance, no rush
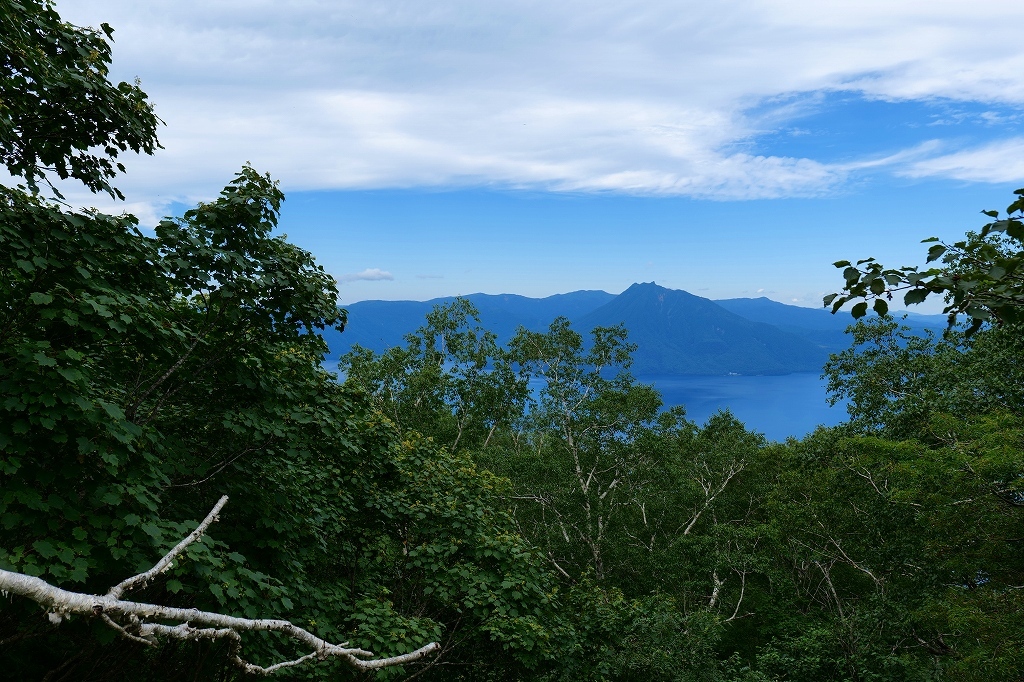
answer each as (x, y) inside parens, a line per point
(676, 332)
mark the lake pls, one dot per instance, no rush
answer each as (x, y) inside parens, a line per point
(777, 406)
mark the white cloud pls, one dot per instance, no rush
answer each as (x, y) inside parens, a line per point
(367, 275)
(1001, 161)
(641, 97)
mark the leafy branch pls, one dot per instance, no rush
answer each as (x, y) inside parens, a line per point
(980, 277)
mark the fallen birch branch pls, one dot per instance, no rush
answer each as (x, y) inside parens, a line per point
(132, 620)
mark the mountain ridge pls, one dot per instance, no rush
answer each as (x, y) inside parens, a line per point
(676, 332)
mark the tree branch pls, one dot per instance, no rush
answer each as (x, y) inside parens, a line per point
(109, 607)
(143, 578)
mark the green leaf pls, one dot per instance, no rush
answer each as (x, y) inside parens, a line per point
(44, 360)
(113, 410)
(152, 530)
(1015, 229)
(45, 549)
(915, 296)
(881, 307)
(859, 310)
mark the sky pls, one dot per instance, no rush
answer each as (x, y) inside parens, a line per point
(729, 148)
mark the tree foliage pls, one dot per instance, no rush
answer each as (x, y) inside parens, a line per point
(894, 380)
(146, 376)
(449, 382)
(620, 500)
(58, 111)
(533, 508)
(981, 276)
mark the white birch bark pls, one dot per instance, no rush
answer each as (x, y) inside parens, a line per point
(138, 621)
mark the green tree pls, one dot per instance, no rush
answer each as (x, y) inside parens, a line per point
(893, 560)
(450, 381)
(640, 513)
(585, 450)
(146, 376)
(896, 380)
(58, 111)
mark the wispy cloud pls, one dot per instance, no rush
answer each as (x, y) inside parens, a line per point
(642, 97)
(367, 275)
(1000, 161)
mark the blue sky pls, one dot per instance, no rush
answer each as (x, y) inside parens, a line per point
(733, 148)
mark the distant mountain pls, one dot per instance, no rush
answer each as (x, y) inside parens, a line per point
(378, 325)
(675, 331)
(817, 325)
(782, 315)
(679, 333)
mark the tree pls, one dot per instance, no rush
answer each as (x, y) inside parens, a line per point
(585, 447)
(638, 512)
(58, 111)
(144, 377)
(449, 381)
(893, 560)
(896, 381)
(144, 374)
(982, 276)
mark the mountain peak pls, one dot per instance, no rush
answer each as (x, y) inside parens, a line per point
(645, 286)
(677, 332)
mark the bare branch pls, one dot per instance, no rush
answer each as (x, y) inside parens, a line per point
(135, 406)
(739, 602)
(165, 563)
(124, 631)
(716, 583)
(109, 607)
(560, 569)
(220, 467)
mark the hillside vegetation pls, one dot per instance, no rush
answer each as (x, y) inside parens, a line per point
(519, 499)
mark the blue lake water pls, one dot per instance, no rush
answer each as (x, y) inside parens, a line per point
(777, 406)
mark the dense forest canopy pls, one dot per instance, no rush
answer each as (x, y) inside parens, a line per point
(529, 506)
